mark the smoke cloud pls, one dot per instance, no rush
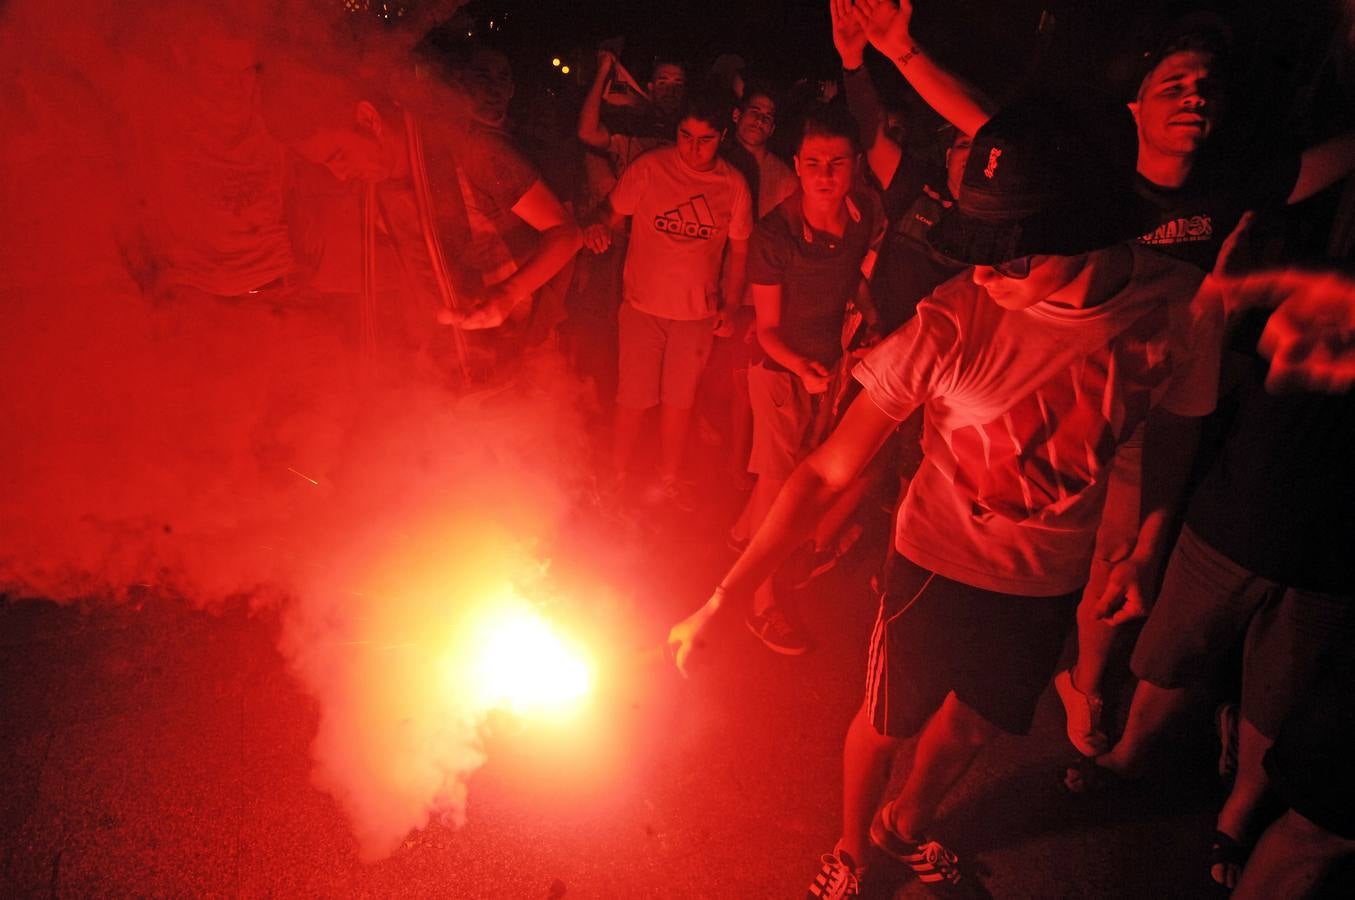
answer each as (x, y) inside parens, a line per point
(213, 449)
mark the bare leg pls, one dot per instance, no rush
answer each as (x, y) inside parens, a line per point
(1095, 641)
(1291, 860)
(866, 760)
(947, 746)
(1152, 709)
(740, 425)
(764, 493)
(673, 421)
(1249, 789)
(625, 432)
(1081, 688)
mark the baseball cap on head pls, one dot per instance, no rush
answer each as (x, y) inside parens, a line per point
(1197, 32)
(1047, 174)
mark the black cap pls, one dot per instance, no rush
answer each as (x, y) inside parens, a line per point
(1048, 174)
(1198, 32)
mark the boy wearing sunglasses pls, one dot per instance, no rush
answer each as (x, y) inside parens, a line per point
(1033, 367)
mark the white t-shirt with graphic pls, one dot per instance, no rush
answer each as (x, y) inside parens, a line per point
(1025, 412)
(680, 221)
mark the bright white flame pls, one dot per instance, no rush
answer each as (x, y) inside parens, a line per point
(523, 666)
(564, 70)
(555, 61)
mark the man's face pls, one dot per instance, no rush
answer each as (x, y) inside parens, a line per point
(488, 84)
(351, 154)
(755, 122)
(826, 166)
(1179, 104)
(697, 143)
(956, 157)
(669, 87)
(1047, 275)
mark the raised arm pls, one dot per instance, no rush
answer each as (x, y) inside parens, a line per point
(591, 130)
(887, 25)
(882, 154)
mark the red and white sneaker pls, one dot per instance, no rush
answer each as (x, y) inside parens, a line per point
(839, 876)
(932, 863)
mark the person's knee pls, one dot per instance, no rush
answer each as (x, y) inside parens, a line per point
(964, 724)
(863, 733)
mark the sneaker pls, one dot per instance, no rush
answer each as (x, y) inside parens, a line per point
(1083, 713)
(933, 864)
(838, 877)
(1225, 720)
(776, 631)
(678, 494)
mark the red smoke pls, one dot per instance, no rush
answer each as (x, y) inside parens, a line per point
(213, 448)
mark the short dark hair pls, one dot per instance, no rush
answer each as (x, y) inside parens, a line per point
(830, 120)
(669, 59)
(711, 107)
(754, 89)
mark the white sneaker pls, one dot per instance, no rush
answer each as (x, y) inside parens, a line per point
(1083, 712)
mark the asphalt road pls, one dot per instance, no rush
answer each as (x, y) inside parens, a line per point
(152, 750)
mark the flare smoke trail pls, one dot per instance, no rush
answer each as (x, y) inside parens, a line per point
(214, 449)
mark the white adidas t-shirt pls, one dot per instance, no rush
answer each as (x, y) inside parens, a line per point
(680, 221)
(1025, 411)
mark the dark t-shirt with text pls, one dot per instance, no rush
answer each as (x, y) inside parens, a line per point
(1192, 222)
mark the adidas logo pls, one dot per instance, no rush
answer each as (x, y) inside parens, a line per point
(692, 219)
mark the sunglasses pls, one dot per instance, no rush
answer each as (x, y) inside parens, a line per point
(1013, 268)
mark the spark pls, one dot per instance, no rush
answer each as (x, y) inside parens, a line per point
(522, 664)
(307, 477)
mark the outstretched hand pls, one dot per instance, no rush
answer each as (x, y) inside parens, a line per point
(849, 37)
(1310, 336)
(886, 24)
(689, 640)
(488, 308)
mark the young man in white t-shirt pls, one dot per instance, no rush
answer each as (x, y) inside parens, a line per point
(1034, 367)
(687, 205)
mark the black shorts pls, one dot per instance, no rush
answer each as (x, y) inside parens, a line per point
(997, 652)
(1310, 763)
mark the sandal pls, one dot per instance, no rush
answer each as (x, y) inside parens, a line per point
(1227, 852)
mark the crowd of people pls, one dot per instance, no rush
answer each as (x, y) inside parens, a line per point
(1023, 319)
